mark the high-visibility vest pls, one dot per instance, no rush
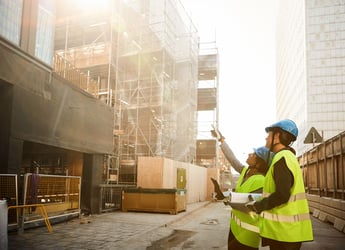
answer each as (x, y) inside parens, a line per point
(243, 226)
(289, 222)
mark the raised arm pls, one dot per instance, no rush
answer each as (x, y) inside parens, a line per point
(230, 156)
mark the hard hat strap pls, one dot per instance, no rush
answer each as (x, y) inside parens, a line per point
(272, 141)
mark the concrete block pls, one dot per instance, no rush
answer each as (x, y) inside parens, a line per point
(331, 218)
(325, 200)
(313, 197)
(333, 211)
(316, 213)
(322, 216)
(339, 224)
(314, 205)
(338, 204)
(341, 205)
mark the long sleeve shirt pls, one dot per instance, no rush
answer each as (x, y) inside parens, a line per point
(284, 180)
(230, 156)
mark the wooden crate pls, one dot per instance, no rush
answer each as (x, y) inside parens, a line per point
(161, 200)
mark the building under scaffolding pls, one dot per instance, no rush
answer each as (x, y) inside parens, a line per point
(143, 56)
(207, 104)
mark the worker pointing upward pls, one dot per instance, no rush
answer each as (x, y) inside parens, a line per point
(244, 227)
(284, 213)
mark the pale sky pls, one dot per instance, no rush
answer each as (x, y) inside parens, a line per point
(244, 31)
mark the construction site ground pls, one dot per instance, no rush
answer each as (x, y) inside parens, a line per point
(204, 225)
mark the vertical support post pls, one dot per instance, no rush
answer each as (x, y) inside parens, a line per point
(325, 170)
(307, 168)
(3, 224)
(334, 171)
(318, 172)
(341, 165)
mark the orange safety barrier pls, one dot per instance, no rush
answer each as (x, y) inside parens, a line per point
(43, 213)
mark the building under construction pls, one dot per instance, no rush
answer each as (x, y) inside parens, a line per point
(88, 88)
(129, 80)
(143, 58)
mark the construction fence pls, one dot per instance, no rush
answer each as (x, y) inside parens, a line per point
(60, 196)
(324, 176)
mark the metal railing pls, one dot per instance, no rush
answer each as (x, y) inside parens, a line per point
(54, 195)
(42, 210)
(9, 191)
(66, 70)
(111, 197)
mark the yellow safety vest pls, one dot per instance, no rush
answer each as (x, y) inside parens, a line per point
(245, 227)
(289, 222)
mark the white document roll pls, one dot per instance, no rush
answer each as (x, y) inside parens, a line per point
(243, 197)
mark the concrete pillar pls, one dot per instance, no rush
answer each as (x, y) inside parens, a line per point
(3, 225)
(91, 180)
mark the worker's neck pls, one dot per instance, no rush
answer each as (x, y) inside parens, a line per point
(277, 147)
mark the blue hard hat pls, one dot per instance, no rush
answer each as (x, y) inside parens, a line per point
(264, 153)
(286, 125)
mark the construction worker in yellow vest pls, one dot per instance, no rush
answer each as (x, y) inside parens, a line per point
(284, 213)
(244, 227)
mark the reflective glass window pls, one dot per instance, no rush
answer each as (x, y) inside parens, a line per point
(10, 20)
(45, 31)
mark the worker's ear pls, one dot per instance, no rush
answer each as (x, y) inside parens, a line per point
(286, 138)
(277, 136)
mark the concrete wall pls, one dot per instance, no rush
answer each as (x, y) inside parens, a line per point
(46, 109)
(40, 107)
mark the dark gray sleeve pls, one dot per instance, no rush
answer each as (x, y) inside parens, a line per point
(284, 180)
(230, 156)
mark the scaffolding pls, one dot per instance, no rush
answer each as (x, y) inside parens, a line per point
(143, 55)
(208, 81)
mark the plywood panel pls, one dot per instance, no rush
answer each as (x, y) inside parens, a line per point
(169, 174)
(150, 172)
(156, 172)
(196, 183)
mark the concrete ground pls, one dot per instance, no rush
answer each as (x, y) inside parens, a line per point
(203, 226)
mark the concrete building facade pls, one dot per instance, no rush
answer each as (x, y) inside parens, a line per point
(311, 67)
(49, 125)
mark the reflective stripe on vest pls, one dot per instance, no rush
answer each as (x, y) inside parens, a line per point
(290, 221)
(244, 224)
(296, 197)
(285, 218)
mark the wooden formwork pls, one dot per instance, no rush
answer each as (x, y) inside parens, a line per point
(324, 168)
(324, 175)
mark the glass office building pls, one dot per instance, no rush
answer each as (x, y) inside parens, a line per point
(311, 67)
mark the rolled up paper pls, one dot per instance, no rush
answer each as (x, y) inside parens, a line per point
(235, 197)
